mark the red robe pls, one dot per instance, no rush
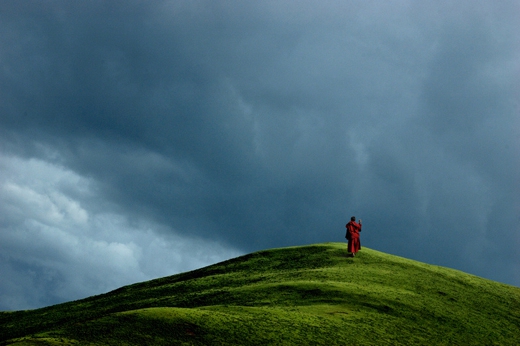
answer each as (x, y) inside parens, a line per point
(353, 229)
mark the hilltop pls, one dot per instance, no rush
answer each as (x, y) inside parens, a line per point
(305, 295)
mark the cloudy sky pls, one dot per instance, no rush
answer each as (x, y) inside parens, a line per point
(140, 139)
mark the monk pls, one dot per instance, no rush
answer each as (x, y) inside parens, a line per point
(353, 229)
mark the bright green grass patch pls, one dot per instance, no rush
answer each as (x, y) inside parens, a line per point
(309, 295)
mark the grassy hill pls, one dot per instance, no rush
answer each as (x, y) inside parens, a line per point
(308, 295)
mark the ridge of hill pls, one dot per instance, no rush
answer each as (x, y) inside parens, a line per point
(303, 295)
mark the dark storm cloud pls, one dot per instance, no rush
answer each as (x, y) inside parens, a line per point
(262, 125)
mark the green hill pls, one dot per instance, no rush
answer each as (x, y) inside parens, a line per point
(308, 295)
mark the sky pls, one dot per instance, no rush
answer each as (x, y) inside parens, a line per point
(140, 139)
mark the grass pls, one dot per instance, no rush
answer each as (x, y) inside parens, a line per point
(308, 295)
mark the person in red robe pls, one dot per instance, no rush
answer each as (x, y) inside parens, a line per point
(353, 229)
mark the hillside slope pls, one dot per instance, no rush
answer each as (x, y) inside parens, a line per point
(308, 295)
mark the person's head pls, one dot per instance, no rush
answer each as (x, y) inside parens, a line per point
(353, 218)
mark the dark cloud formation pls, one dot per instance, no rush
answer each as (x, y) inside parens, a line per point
(140, 139)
